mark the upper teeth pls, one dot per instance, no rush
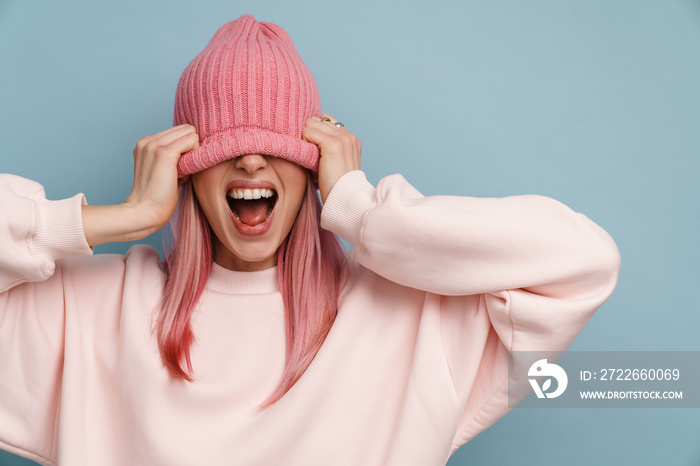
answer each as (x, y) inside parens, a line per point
(250, 193)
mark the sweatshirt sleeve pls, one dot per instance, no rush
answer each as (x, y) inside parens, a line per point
(34, 234)
(528, 268)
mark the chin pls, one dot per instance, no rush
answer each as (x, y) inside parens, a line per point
(250, 258)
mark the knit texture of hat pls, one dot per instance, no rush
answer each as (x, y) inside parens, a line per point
(247, 92)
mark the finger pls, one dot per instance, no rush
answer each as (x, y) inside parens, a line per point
(169, 154)
(144, 141)
(173, 129)
(180, 143)
(326, 127)
(328, 137)
(329, 120)
(314, 121)
(325, 118)
(329, 116)
(171, 143)
(164, 137)
(315, 135)
(164, 159)
(174, 133)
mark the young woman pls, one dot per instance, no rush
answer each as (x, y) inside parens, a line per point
(257, 341)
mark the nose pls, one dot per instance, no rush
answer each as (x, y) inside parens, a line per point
(251, 162)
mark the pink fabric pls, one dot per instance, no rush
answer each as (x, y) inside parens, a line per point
(247, 92)
(414, 366)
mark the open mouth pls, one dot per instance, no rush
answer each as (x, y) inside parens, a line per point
(251, 206)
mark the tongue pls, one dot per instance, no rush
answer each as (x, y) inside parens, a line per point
(252, 212)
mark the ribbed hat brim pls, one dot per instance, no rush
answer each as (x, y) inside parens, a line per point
(228, 145)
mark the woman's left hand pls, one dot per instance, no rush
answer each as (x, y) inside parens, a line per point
(340, 150)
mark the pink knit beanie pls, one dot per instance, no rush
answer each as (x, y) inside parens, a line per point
(247, 92)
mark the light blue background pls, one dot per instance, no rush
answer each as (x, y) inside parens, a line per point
(593, 102)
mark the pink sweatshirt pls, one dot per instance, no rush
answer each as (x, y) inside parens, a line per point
(415, 365)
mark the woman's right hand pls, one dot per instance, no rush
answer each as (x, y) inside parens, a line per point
(154, 192)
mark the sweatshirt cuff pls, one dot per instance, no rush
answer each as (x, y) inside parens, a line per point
(59, 230)
(351, 197)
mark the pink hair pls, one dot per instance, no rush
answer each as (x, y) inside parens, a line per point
(311, 266)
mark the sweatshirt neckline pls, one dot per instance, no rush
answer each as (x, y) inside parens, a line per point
(224, 280)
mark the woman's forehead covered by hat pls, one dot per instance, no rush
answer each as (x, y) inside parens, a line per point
(247, 92)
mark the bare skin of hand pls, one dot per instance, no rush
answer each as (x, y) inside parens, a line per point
(153, 195)
(340, 151)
